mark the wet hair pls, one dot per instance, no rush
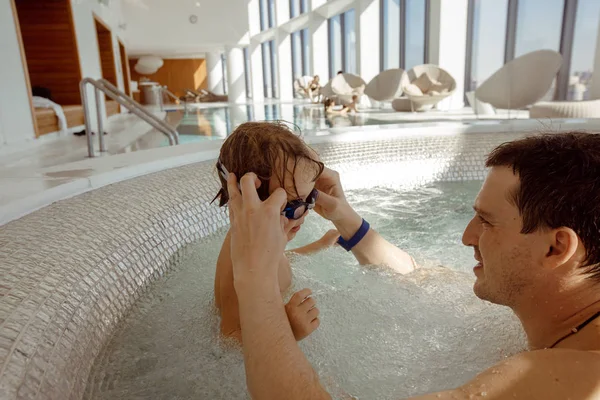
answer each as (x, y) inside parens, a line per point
(559, 186)
(265, 148)
(328, 102)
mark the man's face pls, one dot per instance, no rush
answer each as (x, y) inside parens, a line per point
(510, 263)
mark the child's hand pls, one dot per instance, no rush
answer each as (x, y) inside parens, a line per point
(302, 314)
(330, 238)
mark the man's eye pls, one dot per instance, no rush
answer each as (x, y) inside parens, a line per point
(482, 220)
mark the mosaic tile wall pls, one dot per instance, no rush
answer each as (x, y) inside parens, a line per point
(72, 270)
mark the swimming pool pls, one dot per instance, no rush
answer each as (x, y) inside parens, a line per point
(216, 122)
(382, 336)
(73, 271)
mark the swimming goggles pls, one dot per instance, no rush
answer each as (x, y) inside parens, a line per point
(294, 209)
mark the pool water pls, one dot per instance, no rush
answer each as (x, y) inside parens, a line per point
(215, 123)
(382, 335)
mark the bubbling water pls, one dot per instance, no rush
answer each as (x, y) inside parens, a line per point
(382, 335)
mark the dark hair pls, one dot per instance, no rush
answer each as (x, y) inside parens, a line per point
(264, 148)
(340, 72)
(559, 185)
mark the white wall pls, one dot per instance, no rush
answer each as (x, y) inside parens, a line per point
(595, 89)
(16, 122)
(87, 41)
(162, 27)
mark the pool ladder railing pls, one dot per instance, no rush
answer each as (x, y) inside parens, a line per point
(110, 90)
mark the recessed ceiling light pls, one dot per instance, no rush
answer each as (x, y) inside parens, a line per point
(197, 4)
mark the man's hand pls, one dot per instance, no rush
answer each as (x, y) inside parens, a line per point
(332, 204)
(303, 314)
(258, 232)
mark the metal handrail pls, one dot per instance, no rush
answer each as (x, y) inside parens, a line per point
(169, 93)
(120, 97)
(168, 129)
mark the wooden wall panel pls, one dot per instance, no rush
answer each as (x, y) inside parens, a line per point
(125, 68)
(50, 48)
(107, 55)
(177, 74)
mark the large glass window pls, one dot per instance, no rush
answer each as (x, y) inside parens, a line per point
(271, 4)
(350, 41)
(267, 72)
(415, 33)
(247, 74)
(296, 55)
(306, 53)
(267, 14)
(335, 45)
(264, 14)
(298, 7)
(539, 25)
(404, 23)
(587, 22)
(300, 54)
(489, 40)
(342, 43)
(391, 33)
(274, 69)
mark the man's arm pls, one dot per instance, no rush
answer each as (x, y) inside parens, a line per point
(544, 374)
(276, 368)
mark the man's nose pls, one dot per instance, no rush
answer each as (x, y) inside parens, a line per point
(470, 236)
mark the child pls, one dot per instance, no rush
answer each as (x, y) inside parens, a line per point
(280, 159)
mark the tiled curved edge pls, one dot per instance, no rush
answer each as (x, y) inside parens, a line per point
(71, 271)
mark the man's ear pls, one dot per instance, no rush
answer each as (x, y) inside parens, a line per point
(563, 244)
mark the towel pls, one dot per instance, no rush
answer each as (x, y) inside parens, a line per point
(42, 102)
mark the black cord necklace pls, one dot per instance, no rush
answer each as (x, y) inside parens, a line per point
(577, 329)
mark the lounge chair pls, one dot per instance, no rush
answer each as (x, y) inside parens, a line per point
(522, 81)
(385, 86)
(426, 85)
(343, 86)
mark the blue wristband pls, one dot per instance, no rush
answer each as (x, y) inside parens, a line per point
(358, 236)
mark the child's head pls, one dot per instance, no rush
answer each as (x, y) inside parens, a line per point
(277, 156)
(354, 98)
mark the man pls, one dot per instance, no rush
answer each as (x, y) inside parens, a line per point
(535, 235)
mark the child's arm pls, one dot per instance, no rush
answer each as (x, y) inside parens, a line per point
(227, 298)
(328, 240)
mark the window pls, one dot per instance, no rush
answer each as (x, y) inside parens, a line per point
(271, 13)
(415, 33)
(539, 25)
(391, 33)
(267, 14)
(267, 73)
(297, 71)
(300, 54)
(274, 69)
(587, 22)
(404, 25)
(305, 53)
(342, 43)
(247, 75)
(349, 40)
(298, 7)
(335, 45)
(489, 40)
(262, 4)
